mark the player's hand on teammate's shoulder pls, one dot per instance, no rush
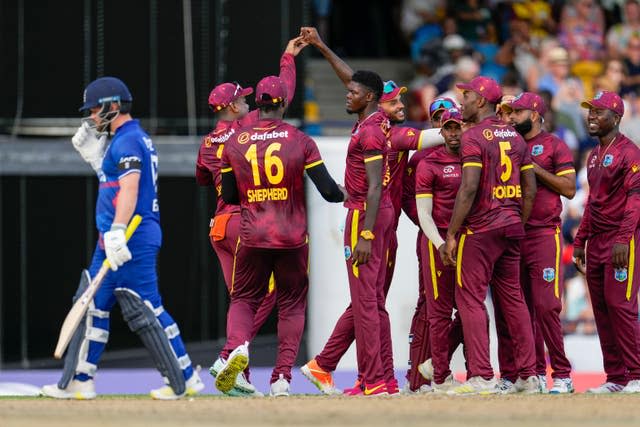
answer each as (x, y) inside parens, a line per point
(295, 45)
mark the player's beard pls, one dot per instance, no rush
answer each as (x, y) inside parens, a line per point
(524, 127)
(356, 111)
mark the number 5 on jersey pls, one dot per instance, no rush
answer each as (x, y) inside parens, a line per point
(505, 161)
(271, 162)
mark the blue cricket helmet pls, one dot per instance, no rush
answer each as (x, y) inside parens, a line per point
(105, 89)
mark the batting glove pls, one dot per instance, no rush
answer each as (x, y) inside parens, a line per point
(115, 246)
(90, 144)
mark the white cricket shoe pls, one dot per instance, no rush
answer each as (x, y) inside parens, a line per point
(236, 363)
(79, 390)
(542, 379)
(506, 386)
(242, 387)
(193, 386)
(632, 386)
(280, 388)
(562, 386)
(475, 385)
(426, 369)
(606, 388)
(448, 384)
(424, 388)
(529, 386)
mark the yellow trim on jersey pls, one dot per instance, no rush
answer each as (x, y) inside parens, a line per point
(525, 167)
(459, 260)
(424, 195)
(556, 289)
(220, 150)
(566, 172)
(371, 159)
(434, 275)
(472, 164)
(225, 170)
(354, 238)
(632, 261)
(310, 165)
(272, 283)
(420, 139)
(233, 273)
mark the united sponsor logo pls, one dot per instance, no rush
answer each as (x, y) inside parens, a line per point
(448, 169)
(450, 172)
(549, 274)
(537, 149)
(488, 135)
(608, 160)
(620, 274)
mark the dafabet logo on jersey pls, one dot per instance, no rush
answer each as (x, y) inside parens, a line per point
(488, 135)
(243, 138)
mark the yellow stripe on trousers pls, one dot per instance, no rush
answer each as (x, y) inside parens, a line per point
(233, 274)
(354, 238)
(556, 289)
(632, 261)
(434, 275)
(459, 260)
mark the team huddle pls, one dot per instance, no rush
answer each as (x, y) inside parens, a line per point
(483, 187)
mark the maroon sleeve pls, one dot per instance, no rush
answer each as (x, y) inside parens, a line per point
(632, 207)
(424, 180)
(409, 188)
(372, 140)
(311, 153)
(404, 138)
(204, 162)
(562, 159)
(288, 74)
(471, 152)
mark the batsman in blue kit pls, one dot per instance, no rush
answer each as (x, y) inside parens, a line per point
(128, 174)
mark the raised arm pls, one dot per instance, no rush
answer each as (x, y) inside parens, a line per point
(343, 71)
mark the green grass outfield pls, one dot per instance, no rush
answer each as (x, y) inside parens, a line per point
(303, 410)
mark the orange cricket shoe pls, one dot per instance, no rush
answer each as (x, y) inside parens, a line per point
(319, 377)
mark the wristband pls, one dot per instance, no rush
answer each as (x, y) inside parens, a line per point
(116, 226)
(367, 235)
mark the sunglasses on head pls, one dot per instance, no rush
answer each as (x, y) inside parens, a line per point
(389, 86)
(439, 104)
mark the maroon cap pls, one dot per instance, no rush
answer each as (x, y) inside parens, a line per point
(270, 90)
(607, 101)
(526, 101)
(485, 87)
(390, 90)
(451, 115)
(225, 93)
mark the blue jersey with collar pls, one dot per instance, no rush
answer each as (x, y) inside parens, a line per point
(131, 151)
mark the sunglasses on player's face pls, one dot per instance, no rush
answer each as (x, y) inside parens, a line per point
(440, 104)
(389, 86)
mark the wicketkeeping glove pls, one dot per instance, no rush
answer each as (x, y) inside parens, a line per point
(115, 246)
(90, 144)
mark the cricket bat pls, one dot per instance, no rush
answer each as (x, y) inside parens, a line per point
(81, 305)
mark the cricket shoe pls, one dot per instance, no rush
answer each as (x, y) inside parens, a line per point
(529, 386)
(320, 378)
(562, 386)
(448, 384)
(475, 385)
(356, 390)
(236, 363)
(280, 388)
(632, 386)
(242, 387)
(376, 389)
(506, 386)
(606, 388)
(78, 390)
(423, 389)
(193, 386)
(392, 387)
(542, 379)
(426, 369)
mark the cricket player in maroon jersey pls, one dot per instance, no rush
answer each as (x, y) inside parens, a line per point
(437, 180)
(228, 101)
(607, 241)
(540, 267)
(401, 140)
(263, 167)
(493, 203)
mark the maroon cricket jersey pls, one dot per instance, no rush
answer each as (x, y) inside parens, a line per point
(368, 143)
(439, 176)
(401, 141)
(268, 160)
(614, 191)
(551, 154)
(502, 154)
(210, 152)
(409, 185)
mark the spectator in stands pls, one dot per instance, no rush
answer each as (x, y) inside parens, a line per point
(558, 124)
(465, 70)
(538, 13)
(518, 52)
(420, 22)
(613, 77)
(557, 72)
(510, 84)
(631, 83)
(619, 34)
(473, 19)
